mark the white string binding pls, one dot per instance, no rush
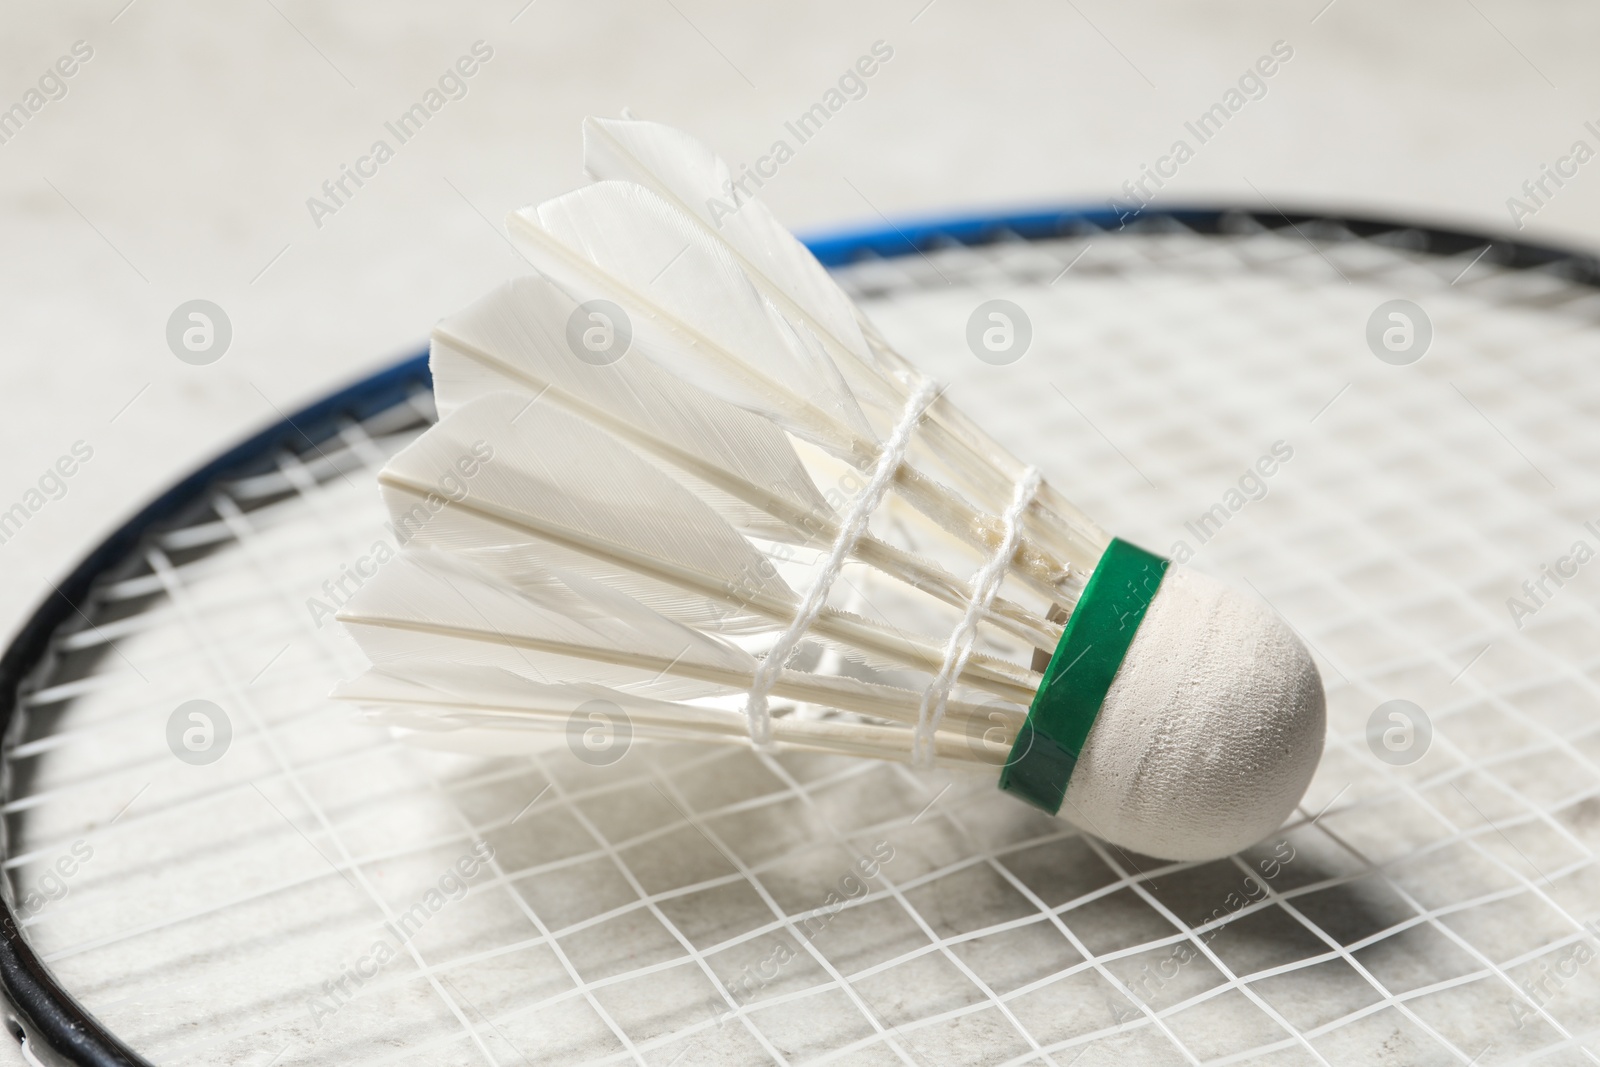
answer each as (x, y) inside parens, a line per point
(985, 585)
(850, 531)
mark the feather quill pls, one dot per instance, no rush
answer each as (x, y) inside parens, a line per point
(713, 327)
(430, 619)
(556, 479)
(514, 340)
(699, 184)
(437, 705)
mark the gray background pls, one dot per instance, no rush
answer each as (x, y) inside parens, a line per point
(179, 163)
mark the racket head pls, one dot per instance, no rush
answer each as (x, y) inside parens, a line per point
(1415, 897)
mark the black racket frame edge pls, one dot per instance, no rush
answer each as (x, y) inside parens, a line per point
(41, 1015)
(54, 1028)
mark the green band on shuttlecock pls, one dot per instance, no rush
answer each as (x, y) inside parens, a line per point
(1080, 673)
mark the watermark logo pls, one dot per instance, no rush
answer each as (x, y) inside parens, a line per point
(599, 733)
(599, 332)
(1399, 332)
(851, 85)
(338, 191)
(451, 886)
(52, 86)
(452, 486)
(1151, 979)
(1537, 591)
(745, 986)
(52, 887)
(52, 485)
(999, 332)
(1551, 179)
(1141, 191)
(989, 734)
(199, 732)
(1399, 732)
(1252, 486)
(199, 332)
(1555, 973)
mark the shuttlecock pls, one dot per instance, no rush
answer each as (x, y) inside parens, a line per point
(680, 484)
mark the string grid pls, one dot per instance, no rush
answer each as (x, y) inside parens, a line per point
(697, 905)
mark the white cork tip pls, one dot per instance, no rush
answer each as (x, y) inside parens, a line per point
(1210, 733)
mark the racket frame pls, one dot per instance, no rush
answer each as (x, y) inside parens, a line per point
(43, 1016)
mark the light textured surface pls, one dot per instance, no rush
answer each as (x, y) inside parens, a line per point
(1428, 913)
(1210, 734)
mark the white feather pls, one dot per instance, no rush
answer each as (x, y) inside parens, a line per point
(427, 607)
(697, 182)
(696, 311)
(575, 485)
(692, 308)
(554, 478)
(515, 339)
(430, 615)
(438, 702)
